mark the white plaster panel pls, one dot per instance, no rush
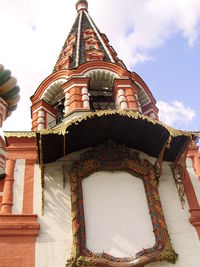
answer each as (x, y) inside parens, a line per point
(183, 235)
(18, 187)
(50, 119)
(116, 214)
(53, 245)
(37, 191)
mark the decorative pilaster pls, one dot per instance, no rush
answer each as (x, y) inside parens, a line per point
(76, 95)
(85, 98)
(125, 93)
(194, 154)
(131, 98)
(121, 100)
(150, 110)
(41, 120)
(43, 116)
(159, 161)
(7, 200)
(67, 103)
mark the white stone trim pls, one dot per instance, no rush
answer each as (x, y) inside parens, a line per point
(149, 110)
(85, 97)
(90, 70)
(18, 187)
(78, 39)
(45, 109)
(127, 86)
(62, 81)
(75, 85)
(100, 38)
(1, 194)
(41, 113)
(122, 99)
(53, 244)
(37, 191)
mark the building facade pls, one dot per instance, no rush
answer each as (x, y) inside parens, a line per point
(99, 181)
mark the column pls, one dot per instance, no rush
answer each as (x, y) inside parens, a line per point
(7, 200)
(85, 98)
(41, 120)
(131, 98)
(122, 100)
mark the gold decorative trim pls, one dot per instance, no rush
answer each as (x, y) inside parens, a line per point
(61, 129)
(159, 161)
(111, 157)
(179, 169)
(169, 254)
(20, 134)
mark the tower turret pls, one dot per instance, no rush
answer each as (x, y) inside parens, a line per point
(88, 76)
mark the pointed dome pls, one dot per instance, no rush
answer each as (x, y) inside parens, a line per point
(88, 76)
(85, 43)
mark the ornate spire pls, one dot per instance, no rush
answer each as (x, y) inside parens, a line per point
(81, 5)
(85, 43)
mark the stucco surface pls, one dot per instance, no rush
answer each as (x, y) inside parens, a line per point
(116, 214)
(53, 244)
(18, 187)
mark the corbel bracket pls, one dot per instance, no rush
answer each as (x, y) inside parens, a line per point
(179, 169)
(159, 161)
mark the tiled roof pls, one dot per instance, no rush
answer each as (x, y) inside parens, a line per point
(78, 54)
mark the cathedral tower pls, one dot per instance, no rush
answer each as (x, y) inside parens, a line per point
(88, 76)
(99, 181)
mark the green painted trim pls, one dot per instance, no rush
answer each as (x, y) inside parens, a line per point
(2, 174)
(12, 108)
(4, 76)
(12, 93)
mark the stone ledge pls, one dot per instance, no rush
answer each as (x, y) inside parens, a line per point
(19, 225)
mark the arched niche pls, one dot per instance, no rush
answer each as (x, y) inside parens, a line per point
(117, 158)
(108, 198)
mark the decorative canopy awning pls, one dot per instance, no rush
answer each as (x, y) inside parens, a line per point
(124, 127)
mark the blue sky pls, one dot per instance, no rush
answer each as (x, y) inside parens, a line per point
(174, 75)
(157, 39)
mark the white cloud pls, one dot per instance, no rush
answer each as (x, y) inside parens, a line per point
(175, 113)
(152, 21)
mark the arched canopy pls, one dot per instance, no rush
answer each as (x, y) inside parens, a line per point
(130, 128)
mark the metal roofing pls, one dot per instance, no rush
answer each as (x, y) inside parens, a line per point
(137, 132)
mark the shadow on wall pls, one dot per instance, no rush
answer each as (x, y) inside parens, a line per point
(56, 221)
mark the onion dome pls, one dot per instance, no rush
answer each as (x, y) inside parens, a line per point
(9, 91)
